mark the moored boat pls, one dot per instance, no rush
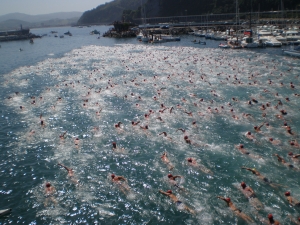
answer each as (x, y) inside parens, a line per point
(292, 52)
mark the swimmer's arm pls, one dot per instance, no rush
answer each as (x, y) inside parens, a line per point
(122, 178)
(261, 125)
(296, 156)
(68, 169)
(164, 193)
(177, 176)
(246, 168)
(220, 197)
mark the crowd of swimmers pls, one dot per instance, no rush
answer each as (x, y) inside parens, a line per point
(121, 181)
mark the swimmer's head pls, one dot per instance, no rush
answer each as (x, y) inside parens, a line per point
(112, 176)
(227, 199)
(114, 144)
(186, 137)
(249, 133)
(189, 160)
(271, 139)
(169, 191)
(290, 153)
(270, 216)
(170, 175)
(287, 193)
(48, 185)
(243, 184)
(241, 146)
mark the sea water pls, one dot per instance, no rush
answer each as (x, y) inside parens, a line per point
(82, 86)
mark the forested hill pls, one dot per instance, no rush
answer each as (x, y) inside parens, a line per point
(115, 10)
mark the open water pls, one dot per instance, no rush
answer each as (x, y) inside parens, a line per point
(83, 86)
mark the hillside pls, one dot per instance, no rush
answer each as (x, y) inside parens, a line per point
(39, 18)
(115, 10)
(14, 20)
(108, 12)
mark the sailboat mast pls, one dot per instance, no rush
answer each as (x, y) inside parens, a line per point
(236, 14)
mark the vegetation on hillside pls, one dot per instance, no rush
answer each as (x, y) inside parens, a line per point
(131, 9)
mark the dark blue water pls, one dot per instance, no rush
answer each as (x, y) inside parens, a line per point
(83, 86)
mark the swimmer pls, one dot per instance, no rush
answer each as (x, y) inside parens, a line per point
(257, 128)
(272, 221)
(187, 140)
(70, 173)
(192, 162)
(241, 148)
(135, 123)
(62, 136)
(295, 221)
(249, 135)
(183, 130)
(165, 134)
(173, 181)
(294, 157)
(49, 192)
(294, 143)
(281, 160)
(165, 159)
(121, 182)
(291, 200)
(250, 194)
(274, 142)
(76, 142)
(178, 203)
(237, 211)
(263, 178)
(116, 149)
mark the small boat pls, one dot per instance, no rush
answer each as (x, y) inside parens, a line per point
(31, 41)
(53, 32)
(68, 33)
(221, 45)
(94, 32)
(4, 212)
(292, 52)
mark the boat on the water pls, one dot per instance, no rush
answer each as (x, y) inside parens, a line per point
(68, 33)
(4, 212)
(293, 52)
(221, 45)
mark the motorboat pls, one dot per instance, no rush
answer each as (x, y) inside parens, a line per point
(222, 45)
(68, 33)
(94, 32)
(248, 42)
(292, 52)
(140, 35)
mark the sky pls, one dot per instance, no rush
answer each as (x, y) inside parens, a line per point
(37, 7)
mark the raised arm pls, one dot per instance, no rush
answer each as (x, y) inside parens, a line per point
(68, 169)
(164, 193)
(220, 197)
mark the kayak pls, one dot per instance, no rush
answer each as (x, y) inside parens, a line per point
(4, 212)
